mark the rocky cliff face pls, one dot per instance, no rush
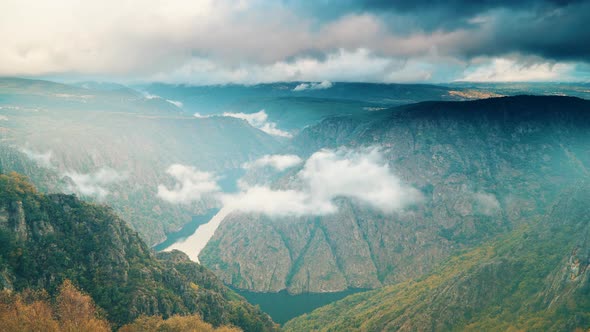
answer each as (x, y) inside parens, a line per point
(533, 278)
(47, 238)
(484, 168)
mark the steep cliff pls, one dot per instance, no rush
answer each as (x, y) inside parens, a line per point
(484, 168)
(45, 239)
(535, 278)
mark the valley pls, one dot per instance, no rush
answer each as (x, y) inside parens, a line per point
(237, 196)
(321, 166)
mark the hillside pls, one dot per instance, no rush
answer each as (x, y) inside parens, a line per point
(45, 239)
(535, 278)
(484, 168)
(296, 109)
(114, 146)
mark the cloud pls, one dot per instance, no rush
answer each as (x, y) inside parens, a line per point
(358, 65)
(362, 175)
(221, 40)
(151, 96)
(175, 103)
(486, 204)
(191, 185)
(280, 162)
(509, 70)
(3, 118)
(313, 86)
(95, 183)
(258, 120)
(44, 159)
(87, 184)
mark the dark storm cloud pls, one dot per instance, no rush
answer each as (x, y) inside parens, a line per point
(551, 29)
(559, 34)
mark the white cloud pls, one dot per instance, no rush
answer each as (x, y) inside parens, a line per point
(258, 120)
(511, 70)
(94, 184)
(362, 175)
(3, 118)
(215, 38)
(191, 185)
(358, 65)
(175, 103)
(44, 159)
(271, 129)
(151, 96)
(278, 161)
(486, 204)
(86, 184)
(313, 86)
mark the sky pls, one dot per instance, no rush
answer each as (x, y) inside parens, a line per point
(251, 41)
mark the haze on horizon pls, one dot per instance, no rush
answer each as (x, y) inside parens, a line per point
(253, 41)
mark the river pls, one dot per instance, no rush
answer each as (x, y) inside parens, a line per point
(193, 244)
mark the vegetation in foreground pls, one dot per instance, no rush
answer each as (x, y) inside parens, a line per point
(46, 239)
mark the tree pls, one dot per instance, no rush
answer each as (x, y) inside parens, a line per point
(76, 311)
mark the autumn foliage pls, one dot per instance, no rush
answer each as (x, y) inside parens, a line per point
(72, 311)
(192, 323)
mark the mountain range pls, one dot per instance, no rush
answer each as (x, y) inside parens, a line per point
(442, 207)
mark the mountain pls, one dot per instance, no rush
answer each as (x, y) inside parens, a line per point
(294, 109)
(578, 89)
(22, 93)
(47, 238)
(535, 278)
(113, 145)
(483, 167)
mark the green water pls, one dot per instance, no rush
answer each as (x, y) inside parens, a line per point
(283, 306)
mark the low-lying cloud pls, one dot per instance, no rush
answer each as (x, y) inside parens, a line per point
(362, 175)
(280, 162)
(486, 204)
(191, 185)
(42, 158)
(176, 103)
(95, 183)
(257, 120)
(313, 86)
